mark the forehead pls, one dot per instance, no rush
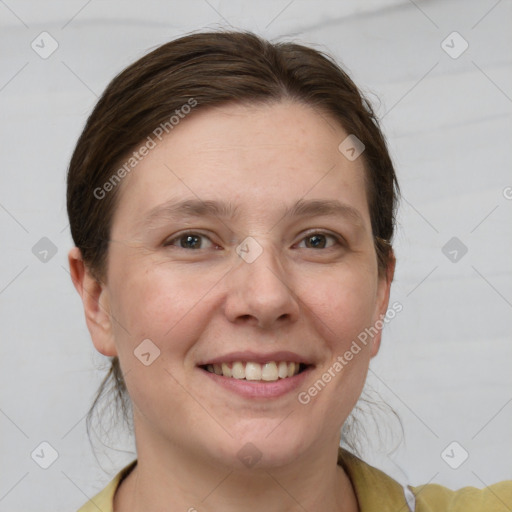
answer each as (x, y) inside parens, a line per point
(253, 156)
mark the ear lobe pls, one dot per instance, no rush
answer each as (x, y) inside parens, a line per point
(95, 302)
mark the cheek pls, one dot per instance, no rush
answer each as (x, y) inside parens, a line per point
(169, 309)
(162, 304)
(342, 309)
(342, 304)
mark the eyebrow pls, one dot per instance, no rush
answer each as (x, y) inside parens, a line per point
(172, 210)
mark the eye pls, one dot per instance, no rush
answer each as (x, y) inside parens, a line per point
(193, 240)
(188, 240)
(318, 240)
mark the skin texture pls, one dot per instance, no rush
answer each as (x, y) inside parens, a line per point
(197, 304)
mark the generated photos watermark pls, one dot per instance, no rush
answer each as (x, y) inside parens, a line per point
(304, 397)
(158, 133)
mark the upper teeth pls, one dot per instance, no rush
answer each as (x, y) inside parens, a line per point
(254, 371)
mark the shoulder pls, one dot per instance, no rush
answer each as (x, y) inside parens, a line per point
(494, 498)
(375, 491)
(378, 492)
(104, 500)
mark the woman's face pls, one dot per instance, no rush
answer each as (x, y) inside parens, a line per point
(270, 277)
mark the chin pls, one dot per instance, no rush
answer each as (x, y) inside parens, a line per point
(267, 445)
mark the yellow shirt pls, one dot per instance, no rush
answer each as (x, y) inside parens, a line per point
(376, 492)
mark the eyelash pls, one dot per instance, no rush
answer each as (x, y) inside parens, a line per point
(337, 239)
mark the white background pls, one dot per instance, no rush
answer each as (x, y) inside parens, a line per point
(446, 358)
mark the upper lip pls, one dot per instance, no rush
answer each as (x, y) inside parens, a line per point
(258, 357)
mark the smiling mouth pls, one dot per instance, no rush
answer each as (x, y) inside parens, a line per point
(251, 371)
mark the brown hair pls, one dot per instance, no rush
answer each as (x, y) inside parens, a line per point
(213, 68)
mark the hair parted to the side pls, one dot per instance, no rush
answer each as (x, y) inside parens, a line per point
(213, 68)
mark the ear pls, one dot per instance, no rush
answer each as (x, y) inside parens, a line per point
(95, 301)
(383, 292)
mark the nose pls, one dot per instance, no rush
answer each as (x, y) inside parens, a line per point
(260, 291)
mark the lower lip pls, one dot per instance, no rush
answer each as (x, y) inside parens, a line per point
(260, 389)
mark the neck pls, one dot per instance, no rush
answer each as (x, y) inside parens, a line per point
(171, 478)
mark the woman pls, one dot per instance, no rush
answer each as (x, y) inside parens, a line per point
(232, 203)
